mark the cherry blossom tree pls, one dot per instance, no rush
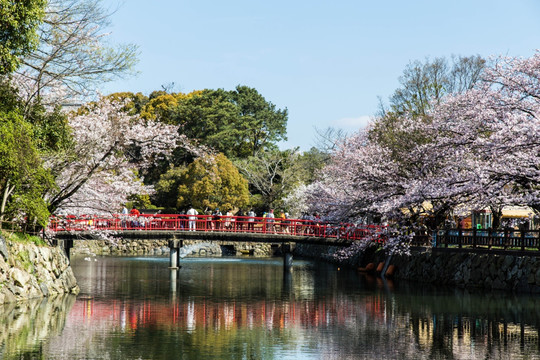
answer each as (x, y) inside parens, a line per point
(472, 150)
(99, 172)
(489, 137)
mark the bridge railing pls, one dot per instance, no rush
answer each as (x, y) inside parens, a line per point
(206, 223)
(524, 239)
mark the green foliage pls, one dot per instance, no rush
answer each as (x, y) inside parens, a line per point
(140, 201)
(22, 176)
(261, 125)
(167, 187)
(210, 118)
(237, 123)
(310, 163)
(135, 103)
(51, 131)
(19, 21)
(23, 238)
(207, 184)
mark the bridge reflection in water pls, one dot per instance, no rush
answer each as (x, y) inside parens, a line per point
(465, 326)
(248, 308)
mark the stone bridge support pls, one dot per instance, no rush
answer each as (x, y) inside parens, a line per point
(175, 245)
(287, 250)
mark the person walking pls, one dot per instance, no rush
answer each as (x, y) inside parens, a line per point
(251, 220)
(192, 216)
(270, 220)
(216, 219)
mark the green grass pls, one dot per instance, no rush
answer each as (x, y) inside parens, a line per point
(23, 238)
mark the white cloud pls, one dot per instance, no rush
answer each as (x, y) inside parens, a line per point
(353, 122)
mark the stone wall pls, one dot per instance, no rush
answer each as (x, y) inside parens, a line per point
(161, 247)
(489, 271)
(31, 271)
(120, 247)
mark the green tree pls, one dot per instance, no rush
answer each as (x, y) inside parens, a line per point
(211, 183)
(51, 130)
(19, 21)
(166, 194)
(211, 118)
(261, 125)
(135, 102)
(23, 180)
(238, 123)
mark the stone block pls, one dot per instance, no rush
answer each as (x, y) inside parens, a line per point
(19, 277)
(3, 248)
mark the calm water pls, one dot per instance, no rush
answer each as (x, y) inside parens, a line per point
(246, 308)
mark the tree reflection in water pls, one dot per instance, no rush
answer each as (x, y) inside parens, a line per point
(250, 310)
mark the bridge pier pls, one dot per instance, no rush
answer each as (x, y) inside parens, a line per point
(287, 250)
(174, 257)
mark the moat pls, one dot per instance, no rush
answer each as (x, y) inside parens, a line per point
(249, 308)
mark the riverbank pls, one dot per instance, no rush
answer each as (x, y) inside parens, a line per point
(29, 270)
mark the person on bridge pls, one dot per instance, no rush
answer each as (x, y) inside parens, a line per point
(228, 220)
(216, 219)
(192, 216)
(251, 220)
(135, 213)
(270, 220)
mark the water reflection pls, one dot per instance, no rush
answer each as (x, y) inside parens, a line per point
(26, 325)
(251, 309)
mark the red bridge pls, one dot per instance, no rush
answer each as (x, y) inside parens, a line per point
(208, 223)
(177, 228)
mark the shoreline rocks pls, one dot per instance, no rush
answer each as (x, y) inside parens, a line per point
(29, 271)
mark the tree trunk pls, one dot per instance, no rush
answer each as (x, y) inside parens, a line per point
(7, 193)
(496, 213)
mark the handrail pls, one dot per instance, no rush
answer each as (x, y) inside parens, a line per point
(487, 238)
(223, 223)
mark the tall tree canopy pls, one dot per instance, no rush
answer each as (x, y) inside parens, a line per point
(238, 123)
(23, 179)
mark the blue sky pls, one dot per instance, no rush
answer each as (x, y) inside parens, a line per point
(325, 61)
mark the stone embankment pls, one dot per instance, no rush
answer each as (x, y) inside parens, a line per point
(161, 247)
(487, 271)
(509, 272)
(30, 271)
